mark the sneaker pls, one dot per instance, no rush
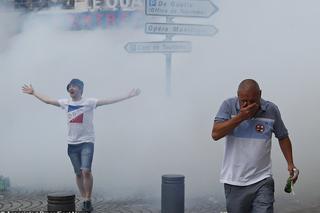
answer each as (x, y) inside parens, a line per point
(87, 206)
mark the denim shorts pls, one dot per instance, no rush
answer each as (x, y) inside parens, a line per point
(81, 156)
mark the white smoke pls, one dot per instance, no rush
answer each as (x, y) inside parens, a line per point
(141, 139)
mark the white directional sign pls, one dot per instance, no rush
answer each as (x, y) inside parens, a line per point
(171, 9)
(184, 8)
(158, 47)
(180, 29)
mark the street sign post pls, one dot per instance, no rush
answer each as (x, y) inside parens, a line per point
(180, 29)
(171, 9)
(184, 8)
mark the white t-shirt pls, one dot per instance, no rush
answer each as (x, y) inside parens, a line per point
(80, 119)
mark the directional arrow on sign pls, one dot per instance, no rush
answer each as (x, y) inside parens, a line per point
(184, 8)
(158, 47)
(180, 29)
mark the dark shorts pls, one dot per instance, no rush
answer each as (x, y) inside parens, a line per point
(255, 198)
(81, 156)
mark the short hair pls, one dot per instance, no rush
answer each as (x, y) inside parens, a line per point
(248, 84)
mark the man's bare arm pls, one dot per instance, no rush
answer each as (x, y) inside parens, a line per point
(286, 148)
(132, 93)
(223, 128)
(28, 89)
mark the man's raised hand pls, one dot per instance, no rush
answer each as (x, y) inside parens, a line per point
(28, 89)
(249, 111)
(134, 92)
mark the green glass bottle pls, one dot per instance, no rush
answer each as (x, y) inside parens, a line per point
(288, 187)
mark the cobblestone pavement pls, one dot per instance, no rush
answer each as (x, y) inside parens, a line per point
(24, 200)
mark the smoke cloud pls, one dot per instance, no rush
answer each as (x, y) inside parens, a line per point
(140, 139)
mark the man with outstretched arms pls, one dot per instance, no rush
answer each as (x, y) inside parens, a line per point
(81, 135)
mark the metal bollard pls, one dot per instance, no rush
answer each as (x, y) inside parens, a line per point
(61, 202)
(172, 194)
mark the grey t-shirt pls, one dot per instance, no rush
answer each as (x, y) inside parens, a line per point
(247, 156)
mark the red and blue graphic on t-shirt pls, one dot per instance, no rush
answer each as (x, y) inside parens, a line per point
(77, 116)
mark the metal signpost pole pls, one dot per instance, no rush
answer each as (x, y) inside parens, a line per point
(168, 61)
(168, 73)
(171, 9)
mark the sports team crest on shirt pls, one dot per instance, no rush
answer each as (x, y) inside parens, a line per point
(75, 114)
(260, 128)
